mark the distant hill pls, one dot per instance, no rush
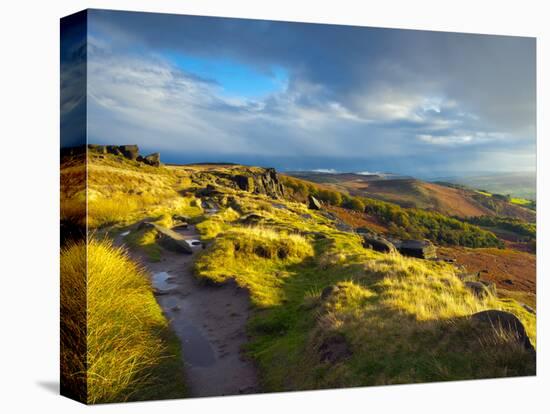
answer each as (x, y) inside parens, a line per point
(521, 184)
(448, 199)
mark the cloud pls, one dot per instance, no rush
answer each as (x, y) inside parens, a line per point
(386, 99)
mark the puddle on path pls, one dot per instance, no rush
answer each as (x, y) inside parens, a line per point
(161, 281)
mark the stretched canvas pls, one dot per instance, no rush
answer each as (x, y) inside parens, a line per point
(252, 206)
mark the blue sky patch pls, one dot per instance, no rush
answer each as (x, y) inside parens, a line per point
(234, 78)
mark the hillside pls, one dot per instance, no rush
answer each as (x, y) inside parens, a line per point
(448, 199)
(326, 310)
(521, 184)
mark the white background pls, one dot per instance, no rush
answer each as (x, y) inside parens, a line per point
(29, 140)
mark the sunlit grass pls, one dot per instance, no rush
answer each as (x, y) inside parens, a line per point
(255, 258)
(126, 333)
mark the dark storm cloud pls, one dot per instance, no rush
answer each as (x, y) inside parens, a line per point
(427, 98)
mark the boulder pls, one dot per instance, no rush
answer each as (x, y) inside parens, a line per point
(179, 218)
(378, 243)
(129, 151)
(422, 249)
(266, 182)
(152, 159)
(313, 203)
(167, 238)
(506, 321)
(171, 240)
(481, 289)
(113, 149)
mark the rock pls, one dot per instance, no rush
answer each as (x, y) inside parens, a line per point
(422, 249)
(152, 159)
(129, 151)
(245, 183)
(481, 289)
(313, 203)
(100, 149)
(378, 243)
(171, 240)
(113, 149)
(508, 322)
(179, 217)
(334, 348)
(145, 225)
(266, 182)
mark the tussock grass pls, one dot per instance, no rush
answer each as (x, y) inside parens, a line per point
(255, 258)
(127, 208)
(404, 320)
(397, 319)
(73, 321)
(128, 344)
(217, 223)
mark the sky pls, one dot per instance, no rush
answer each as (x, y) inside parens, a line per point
(298, 96)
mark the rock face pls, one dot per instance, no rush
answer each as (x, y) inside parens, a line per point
(313, 203)
(423, 249)
(507, 321)
(152, 159)
(266, 182)
(130, 152)
(378, 243)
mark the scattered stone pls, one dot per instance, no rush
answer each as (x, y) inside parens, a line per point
(334, 349)
(506, 321)
(313, 203)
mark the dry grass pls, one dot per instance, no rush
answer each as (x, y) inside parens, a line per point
(125, 331)
(255, 258)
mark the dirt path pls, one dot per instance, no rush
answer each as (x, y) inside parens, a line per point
(210, 322)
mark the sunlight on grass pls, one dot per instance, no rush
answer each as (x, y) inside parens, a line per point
(126, 330)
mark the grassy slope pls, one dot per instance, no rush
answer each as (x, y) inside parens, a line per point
(403, 320)
(410, 192)
(131, 353)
